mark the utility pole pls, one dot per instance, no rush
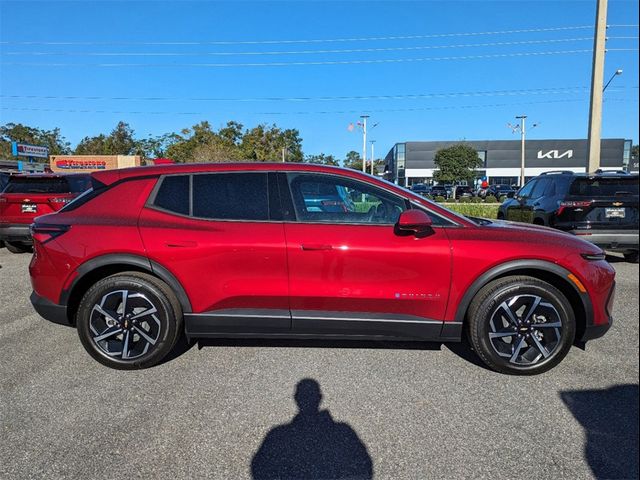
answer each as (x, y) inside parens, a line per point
(597, 78)
(284, 151)
(373, 156)
(523, 134)
(364, 142)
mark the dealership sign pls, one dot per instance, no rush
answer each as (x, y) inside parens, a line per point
(27, 150)
(555, 154)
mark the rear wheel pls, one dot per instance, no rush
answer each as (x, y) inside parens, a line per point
(631, 257)
(15, 247)
(521, 325)
(129, 320)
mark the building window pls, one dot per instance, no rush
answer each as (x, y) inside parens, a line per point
(626, 156)
(483, 156)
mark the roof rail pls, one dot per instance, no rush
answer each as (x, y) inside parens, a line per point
(611, 172)
(557, 172)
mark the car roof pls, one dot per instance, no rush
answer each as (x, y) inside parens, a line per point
(109, 176)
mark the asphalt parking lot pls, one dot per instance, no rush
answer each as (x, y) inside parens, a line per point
(387, 410)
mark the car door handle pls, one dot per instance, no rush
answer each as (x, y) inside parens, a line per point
(311, 247)
(182, 244)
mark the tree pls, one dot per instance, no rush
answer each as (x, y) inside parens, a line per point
(321, 159)
(17, 132)
(456, 163)
(119, 142)
(353, 160)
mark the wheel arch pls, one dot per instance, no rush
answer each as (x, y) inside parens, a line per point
(103, 266)
(543, 270)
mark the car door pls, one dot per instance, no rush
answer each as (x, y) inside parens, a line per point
(350, 272)
(516, 205)
(216, 234)
(533, 202)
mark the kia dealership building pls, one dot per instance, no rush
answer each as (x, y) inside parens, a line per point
(412, 162)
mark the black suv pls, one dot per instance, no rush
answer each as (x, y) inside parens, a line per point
(439, 191)
(601, 207)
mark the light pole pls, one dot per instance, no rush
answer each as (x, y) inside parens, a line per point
(364, 142)
(523, 133)
(597, 77)
(373, 156)
(615, 74)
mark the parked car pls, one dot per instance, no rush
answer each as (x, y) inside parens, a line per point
(439, 191)
(235, 250)
(499, 191)
(460, 191)
(601, 208)
(421, 189)
(28, 196)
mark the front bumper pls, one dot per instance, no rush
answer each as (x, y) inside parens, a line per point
(615, 240)
(16, 232)
(48, 310)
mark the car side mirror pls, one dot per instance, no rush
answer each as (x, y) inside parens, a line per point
(511, 194)
(414, 221)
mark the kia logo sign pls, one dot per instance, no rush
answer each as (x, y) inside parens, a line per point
(555, 154)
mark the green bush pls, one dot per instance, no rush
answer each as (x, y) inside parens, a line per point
(440, 199)
(465, 200)
(476, 200)
(481, 210)
(503, 198)
(491, 199)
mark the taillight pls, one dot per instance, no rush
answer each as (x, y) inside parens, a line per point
(43, 233)
(572, 204)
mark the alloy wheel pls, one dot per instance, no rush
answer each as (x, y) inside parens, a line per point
(526, 329)
(124, 324)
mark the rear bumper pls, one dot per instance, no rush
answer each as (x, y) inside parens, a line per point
(17, 232)
(611, 239)
(48, 310)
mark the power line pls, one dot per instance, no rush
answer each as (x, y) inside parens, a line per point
(315, 40)
(305, 63)
(415, 109)
(300, 52)
(415, 96)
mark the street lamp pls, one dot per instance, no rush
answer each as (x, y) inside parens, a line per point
(615, 74)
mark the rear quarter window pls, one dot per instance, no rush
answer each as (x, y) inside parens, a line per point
(173, 194)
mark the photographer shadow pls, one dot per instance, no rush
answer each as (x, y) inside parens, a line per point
(312, 445)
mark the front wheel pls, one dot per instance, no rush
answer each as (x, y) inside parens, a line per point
(521, 325)
(631, 257)
(15, 247)
(129, 320)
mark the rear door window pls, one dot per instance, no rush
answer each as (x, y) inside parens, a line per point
(539, 188)
(231, 196)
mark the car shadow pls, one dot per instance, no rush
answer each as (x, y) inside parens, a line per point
(313, 445)
(610, 420)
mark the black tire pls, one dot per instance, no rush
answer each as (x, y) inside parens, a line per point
(147, 292)
(500, 215)
(631, 257)
(489, 304)
(15, 247)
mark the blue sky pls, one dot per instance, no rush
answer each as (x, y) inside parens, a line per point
(69, 49)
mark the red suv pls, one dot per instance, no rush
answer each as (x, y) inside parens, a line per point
(28, 196)
(251, 250)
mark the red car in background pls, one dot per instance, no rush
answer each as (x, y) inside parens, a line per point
(27, 196)
(250, 250)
